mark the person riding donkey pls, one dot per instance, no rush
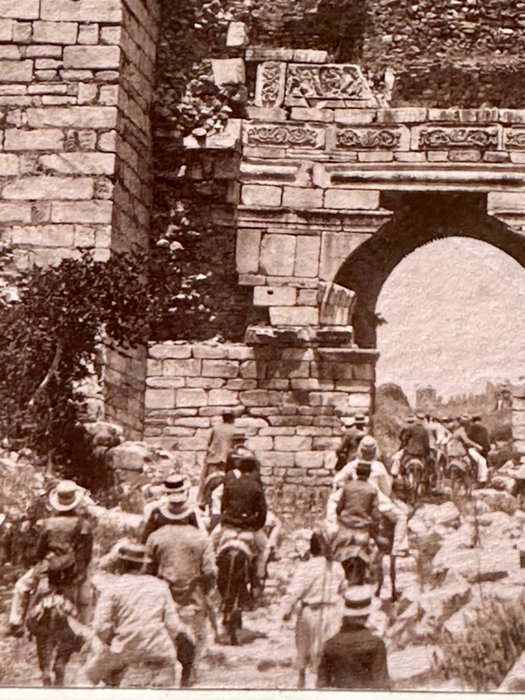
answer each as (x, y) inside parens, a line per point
(415, 444)
(393, 510)
(65, 544)
(243, 514)
(354, 433)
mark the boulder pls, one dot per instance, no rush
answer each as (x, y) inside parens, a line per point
(503, 483)
(131, 456)
(412, 664)
(478, 565)
(496, 500)
(459, 624)
(443, 602)
(514, 681)
(104, 434)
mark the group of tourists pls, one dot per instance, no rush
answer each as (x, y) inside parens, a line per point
(158, 596)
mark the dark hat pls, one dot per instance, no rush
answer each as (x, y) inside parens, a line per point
(358, 601)
(359, 418)
(411, 418)
(135, 553)
(176, 488)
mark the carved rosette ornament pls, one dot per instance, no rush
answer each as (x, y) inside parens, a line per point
(270, 84)
(295, 136)
(369, 139)
(327, 82)
(515, 140)
(484, 139)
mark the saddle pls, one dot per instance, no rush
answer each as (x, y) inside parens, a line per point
(244, 540)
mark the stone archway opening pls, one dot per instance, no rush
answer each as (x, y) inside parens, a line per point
(419, 220)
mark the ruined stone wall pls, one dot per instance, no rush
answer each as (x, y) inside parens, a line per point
(124, 385)
(518, 419)
(292, 399)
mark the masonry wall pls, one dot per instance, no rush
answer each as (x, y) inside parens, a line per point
(124, 385)
(518, 419)
(292, 400)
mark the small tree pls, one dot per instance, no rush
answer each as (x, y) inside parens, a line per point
(50, 337)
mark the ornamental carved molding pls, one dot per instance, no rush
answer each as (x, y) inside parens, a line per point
(270, 84)
(458, 138)
(280, 135)
(331, 81)
(515, 140)
(367, 139)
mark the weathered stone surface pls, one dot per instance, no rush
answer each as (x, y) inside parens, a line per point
(94, 212)
(277, 254)
(228, 71)
(16, 71)
(294, 316)
(20, 9)
(514, 681)
(247, 251)
(261, 195)
(351, 199)
(74, 117)
(34, 139)
(237, 35)
(106, 57)
(80, 10)
(274, 296)
(46, 187)
(55, 32)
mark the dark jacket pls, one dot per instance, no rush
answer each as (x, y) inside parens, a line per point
(358, 506)
(354, 659)
(478, 433)
(349, 445)
(415, 440)
(243, 501)
(62, 535)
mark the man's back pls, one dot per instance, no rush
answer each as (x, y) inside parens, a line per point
(415, 440)
(182, 554)
(358, 504)
(221, 442)
(354, 659)
(136, 615)
(479, 434)
(243, 501)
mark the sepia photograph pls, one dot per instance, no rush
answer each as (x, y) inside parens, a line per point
(262, 346)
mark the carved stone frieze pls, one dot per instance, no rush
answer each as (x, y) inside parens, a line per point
(282, 135)
(515, 139)
(328, 82)
(485, 139)
(367, 138)
(270, 84)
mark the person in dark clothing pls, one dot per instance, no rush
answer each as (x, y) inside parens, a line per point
(243, 510)
(358, 504)
(355, 658)
(478, 433)
(352, 437)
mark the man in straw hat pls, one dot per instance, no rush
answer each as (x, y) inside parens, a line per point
(66, 535)
(314, 593)
(175, 488)
(394, 510)
(183, 556)
(355, 658)
(354, 433)
(135, 622)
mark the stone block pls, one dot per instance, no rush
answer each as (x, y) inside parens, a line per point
(276, 459)
(107, 141)
(375, 156)
(6, 29)
(260, 397)
(88, 34)
(294, 316)
(94, 212)
(510, 202)
(72, 117)
(191, 398)
(309, 460)
(351, 199)
(470, 156)
(55, 32)
(9, 165)
(20, 9)
(258, 444)
(355, 116)
(261, 195)
(80, 163)
(277, 254)
(181, 368)
(79, 10)
(16, 71)
(220, 368)
(209, 352)
(267, 114)
(307, 297)
(237, 35)
(312, 114)
(335, 248)
(162, 351)
(307, 256)
(310, 56)
(302, 198)
(100, 56)
(247, 251)
(359, 400)
(159, 398)
(223, 397)
(16, 213)
(274, 296)
(298, 443)
(46, 187)
(228, 71)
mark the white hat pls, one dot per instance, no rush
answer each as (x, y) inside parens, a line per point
(358, 601)
(65, 496)
(176, 488)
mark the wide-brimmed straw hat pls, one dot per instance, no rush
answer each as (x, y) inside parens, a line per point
(358, 601)
(65, 496)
